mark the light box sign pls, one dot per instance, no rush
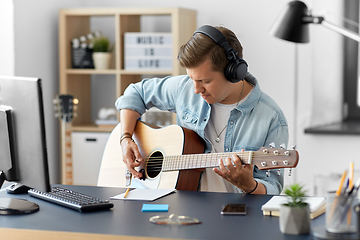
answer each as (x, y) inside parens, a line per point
(145, 51)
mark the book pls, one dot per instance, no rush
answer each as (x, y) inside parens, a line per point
(272, 207)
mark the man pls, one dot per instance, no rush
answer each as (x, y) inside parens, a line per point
(221, 102)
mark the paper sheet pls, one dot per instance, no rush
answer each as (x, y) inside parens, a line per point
(144, 194)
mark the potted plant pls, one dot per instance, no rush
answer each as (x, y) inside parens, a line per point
(101, 52)
(295, 214)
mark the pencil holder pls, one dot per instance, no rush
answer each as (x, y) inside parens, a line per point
(340, 214)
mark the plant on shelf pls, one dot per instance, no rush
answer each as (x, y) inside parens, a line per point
(295, 214)
(101, 44)
(102, 52)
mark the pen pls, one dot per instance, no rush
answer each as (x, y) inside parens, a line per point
(126, 193)
(351, 187)
(351, 175)
(335, 203)
(341, 183)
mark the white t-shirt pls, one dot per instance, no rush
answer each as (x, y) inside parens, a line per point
(220, 113)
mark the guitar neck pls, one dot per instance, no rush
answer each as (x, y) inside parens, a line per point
(263, 159)
(66, 154)
(195, 161)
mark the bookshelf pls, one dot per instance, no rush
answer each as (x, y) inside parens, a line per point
(77, 82)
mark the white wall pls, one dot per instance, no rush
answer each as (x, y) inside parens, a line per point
(271, 60)
(7, 40)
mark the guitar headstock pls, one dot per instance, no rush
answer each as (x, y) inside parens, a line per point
(272, 158)
(65, 106)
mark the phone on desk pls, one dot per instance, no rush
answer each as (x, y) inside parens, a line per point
(234, 209)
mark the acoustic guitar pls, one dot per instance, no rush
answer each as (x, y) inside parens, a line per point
(173, 158)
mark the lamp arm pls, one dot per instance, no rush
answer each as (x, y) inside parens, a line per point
(342, 31)
(331, 26)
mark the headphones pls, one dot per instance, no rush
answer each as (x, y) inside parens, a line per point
(236, 69)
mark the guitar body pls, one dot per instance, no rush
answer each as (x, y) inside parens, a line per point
(173, 158)
(153, 143)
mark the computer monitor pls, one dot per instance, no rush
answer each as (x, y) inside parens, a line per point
(23, 152)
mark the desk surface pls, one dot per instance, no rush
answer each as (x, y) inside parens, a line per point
(126, 218)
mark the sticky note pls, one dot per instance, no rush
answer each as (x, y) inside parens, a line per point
(155, 208)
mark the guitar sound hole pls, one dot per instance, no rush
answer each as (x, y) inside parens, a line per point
(154, 164)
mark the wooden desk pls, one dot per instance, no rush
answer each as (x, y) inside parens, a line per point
(126, 221)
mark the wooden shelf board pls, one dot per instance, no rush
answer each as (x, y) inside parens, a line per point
(92, 128)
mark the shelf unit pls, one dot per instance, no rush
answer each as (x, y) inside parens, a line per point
(76, 22)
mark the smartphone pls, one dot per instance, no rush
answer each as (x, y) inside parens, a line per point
(234, 209)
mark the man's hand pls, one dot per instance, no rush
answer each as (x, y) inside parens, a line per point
(239, 175)
(131, 156)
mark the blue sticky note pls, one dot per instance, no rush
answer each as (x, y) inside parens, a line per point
(155, 208)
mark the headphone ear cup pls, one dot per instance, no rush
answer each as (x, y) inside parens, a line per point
(241, 69)
(236, 71)
(228, 72)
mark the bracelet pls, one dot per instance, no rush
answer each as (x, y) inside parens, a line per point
(126, 135)
(254, 188)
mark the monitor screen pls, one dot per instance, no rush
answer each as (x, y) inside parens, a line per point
(23, 153)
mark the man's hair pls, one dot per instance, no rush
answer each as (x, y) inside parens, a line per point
(200, 47)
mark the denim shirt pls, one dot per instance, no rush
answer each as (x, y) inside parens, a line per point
(255, 123)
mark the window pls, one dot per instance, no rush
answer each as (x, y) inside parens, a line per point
(351, 83)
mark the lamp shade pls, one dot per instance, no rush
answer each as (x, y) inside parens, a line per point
(290, 25)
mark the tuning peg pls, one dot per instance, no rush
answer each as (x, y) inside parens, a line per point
(293, 147)
(283, 146)
(75, 101)
(272, 145)
(290, 169)
(57, 115)
(268, 173)
(278, 172)
(55, 101)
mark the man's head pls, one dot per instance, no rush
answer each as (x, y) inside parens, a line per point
(205, 44)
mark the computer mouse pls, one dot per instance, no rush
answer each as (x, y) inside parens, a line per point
(17, 188)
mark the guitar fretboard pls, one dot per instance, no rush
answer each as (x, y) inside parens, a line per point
(194, 161)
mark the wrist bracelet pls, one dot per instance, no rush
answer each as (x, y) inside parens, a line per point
(254, 188)
(126, 135)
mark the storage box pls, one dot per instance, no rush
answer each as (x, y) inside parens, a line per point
(147, 51)
(87, 151)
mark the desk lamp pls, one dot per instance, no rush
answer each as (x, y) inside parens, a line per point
(293, 24)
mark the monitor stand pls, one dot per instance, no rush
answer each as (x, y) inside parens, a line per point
(15, 206)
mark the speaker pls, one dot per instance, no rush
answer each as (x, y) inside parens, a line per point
(236, 69)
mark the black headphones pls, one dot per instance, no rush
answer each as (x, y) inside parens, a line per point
(236, 70)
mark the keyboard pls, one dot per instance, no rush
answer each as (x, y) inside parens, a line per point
(71, 199)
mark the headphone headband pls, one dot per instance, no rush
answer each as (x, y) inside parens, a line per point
(218, 38)
(236, 70)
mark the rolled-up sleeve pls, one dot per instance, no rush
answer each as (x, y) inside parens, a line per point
(156, 92)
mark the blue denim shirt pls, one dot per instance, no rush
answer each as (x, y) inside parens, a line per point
(255, 123)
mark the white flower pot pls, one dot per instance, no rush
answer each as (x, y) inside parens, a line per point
(102, 60)
(294, 220)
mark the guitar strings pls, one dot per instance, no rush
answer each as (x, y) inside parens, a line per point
(206, 162)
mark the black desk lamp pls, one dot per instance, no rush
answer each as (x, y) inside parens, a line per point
(293, 24)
